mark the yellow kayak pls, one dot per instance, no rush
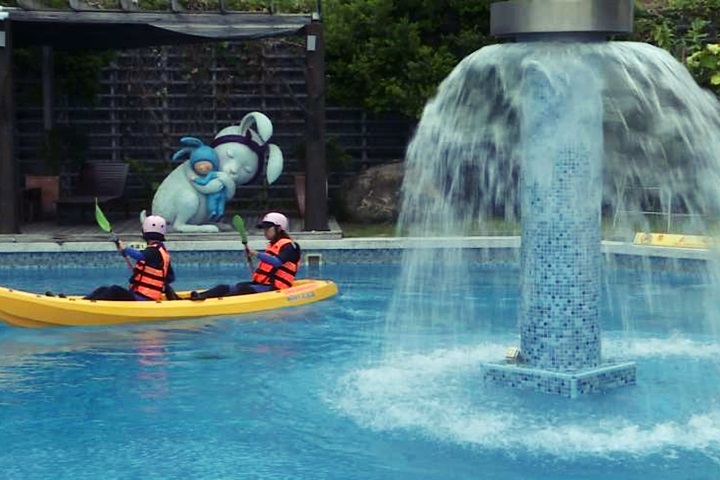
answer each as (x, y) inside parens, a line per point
(32, 310)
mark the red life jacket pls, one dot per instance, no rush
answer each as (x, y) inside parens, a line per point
(279, 277)
(150, 281)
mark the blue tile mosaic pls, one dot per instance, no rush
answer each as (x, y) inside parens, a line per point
(560, 258)
(561, 190)
(43, 260)
(590, 381)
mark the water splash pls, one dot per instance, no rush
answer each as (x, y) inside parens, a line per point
(661, 142)
(661, 130)
(437, 395)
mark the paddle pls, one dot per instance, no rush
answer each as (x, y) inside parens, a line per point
(105, 226)
(239, 225)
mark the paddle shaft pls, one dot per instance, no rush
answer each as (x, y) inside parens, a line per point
(105, 226)
(248, 256)
(116, 241)
(239, 225)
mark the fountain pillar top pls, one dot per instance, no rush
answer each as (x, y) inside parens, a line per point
(527, 17)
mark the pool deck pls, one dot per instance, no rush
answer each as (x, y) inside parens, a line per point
(50, 231)
(50, 237)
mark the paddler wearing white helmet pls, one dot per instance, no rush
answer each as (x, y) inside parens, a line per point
(277, 265)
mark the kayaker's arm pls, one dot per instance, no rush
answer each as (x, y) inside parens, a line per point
(271, 259)
(136, 255)
(288, 253)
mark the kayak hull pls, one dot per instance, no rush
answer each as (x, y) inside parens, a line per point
(32, 310)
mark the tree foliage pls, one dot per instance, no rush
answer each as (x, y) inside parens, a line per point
(391, 55)
(688, 29)
(706, 65)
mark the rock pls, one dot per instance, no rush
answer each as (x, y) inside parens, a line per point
(373, 196)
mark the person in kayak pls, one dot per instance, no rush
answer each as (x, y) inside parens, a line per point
(153, 271)
(278, 265)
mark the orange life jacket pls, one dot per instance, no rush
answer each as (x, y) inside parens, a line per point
(279, 277)
(150, 281)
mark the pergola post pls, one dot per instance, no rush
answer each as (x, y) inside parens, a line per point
(9, 217)
(316, 193)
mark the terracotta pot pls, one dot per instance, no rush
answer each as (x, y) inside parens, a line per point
(49, 186)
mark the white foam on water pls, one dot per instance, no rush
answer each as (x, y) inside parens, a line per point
(440, 395)
(675, 345)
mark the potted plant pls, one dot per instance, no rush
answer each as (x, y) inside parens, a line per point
(62, 148)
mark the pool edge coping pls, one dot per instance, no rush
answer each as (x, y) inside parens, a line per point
(365, 243)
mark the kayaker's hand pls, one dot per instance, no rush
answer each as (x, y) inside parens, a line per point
(120, 246)
(252, 252)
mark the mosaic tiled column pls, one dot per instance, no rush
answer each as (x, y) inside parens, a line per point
(561, 193)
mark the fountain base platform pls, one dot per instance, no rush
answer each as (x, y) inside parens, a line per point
(568, 384)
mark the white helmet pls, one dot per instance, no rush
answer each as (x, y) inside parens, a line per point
(154, 224)
(274, 219)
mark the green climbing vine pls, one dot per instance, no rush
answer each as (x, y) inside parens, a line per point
(77, 74)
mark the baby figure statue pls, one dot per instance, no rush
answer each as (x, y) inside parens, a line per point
(205, 167)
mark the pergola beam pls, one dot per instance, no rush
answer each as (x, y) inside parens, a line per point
(118, 29)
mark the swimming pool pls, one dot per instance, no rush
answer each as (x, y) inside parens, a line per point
(319, 393)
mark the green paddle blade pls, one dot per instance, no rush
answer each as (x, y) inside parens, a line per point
(101, 220)
(239, 225)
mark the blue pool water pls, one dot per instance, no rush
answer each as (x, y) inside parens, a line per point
(319, 393)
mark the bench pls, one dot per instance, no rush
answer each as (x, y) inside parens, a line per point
(102, 180)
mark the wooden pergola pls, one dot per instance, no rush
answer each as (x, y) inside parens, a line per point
(81, 28)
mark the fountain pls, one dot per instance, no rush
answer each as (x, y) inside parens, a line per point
(573, 120)
(554, 130)
(561, 138)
